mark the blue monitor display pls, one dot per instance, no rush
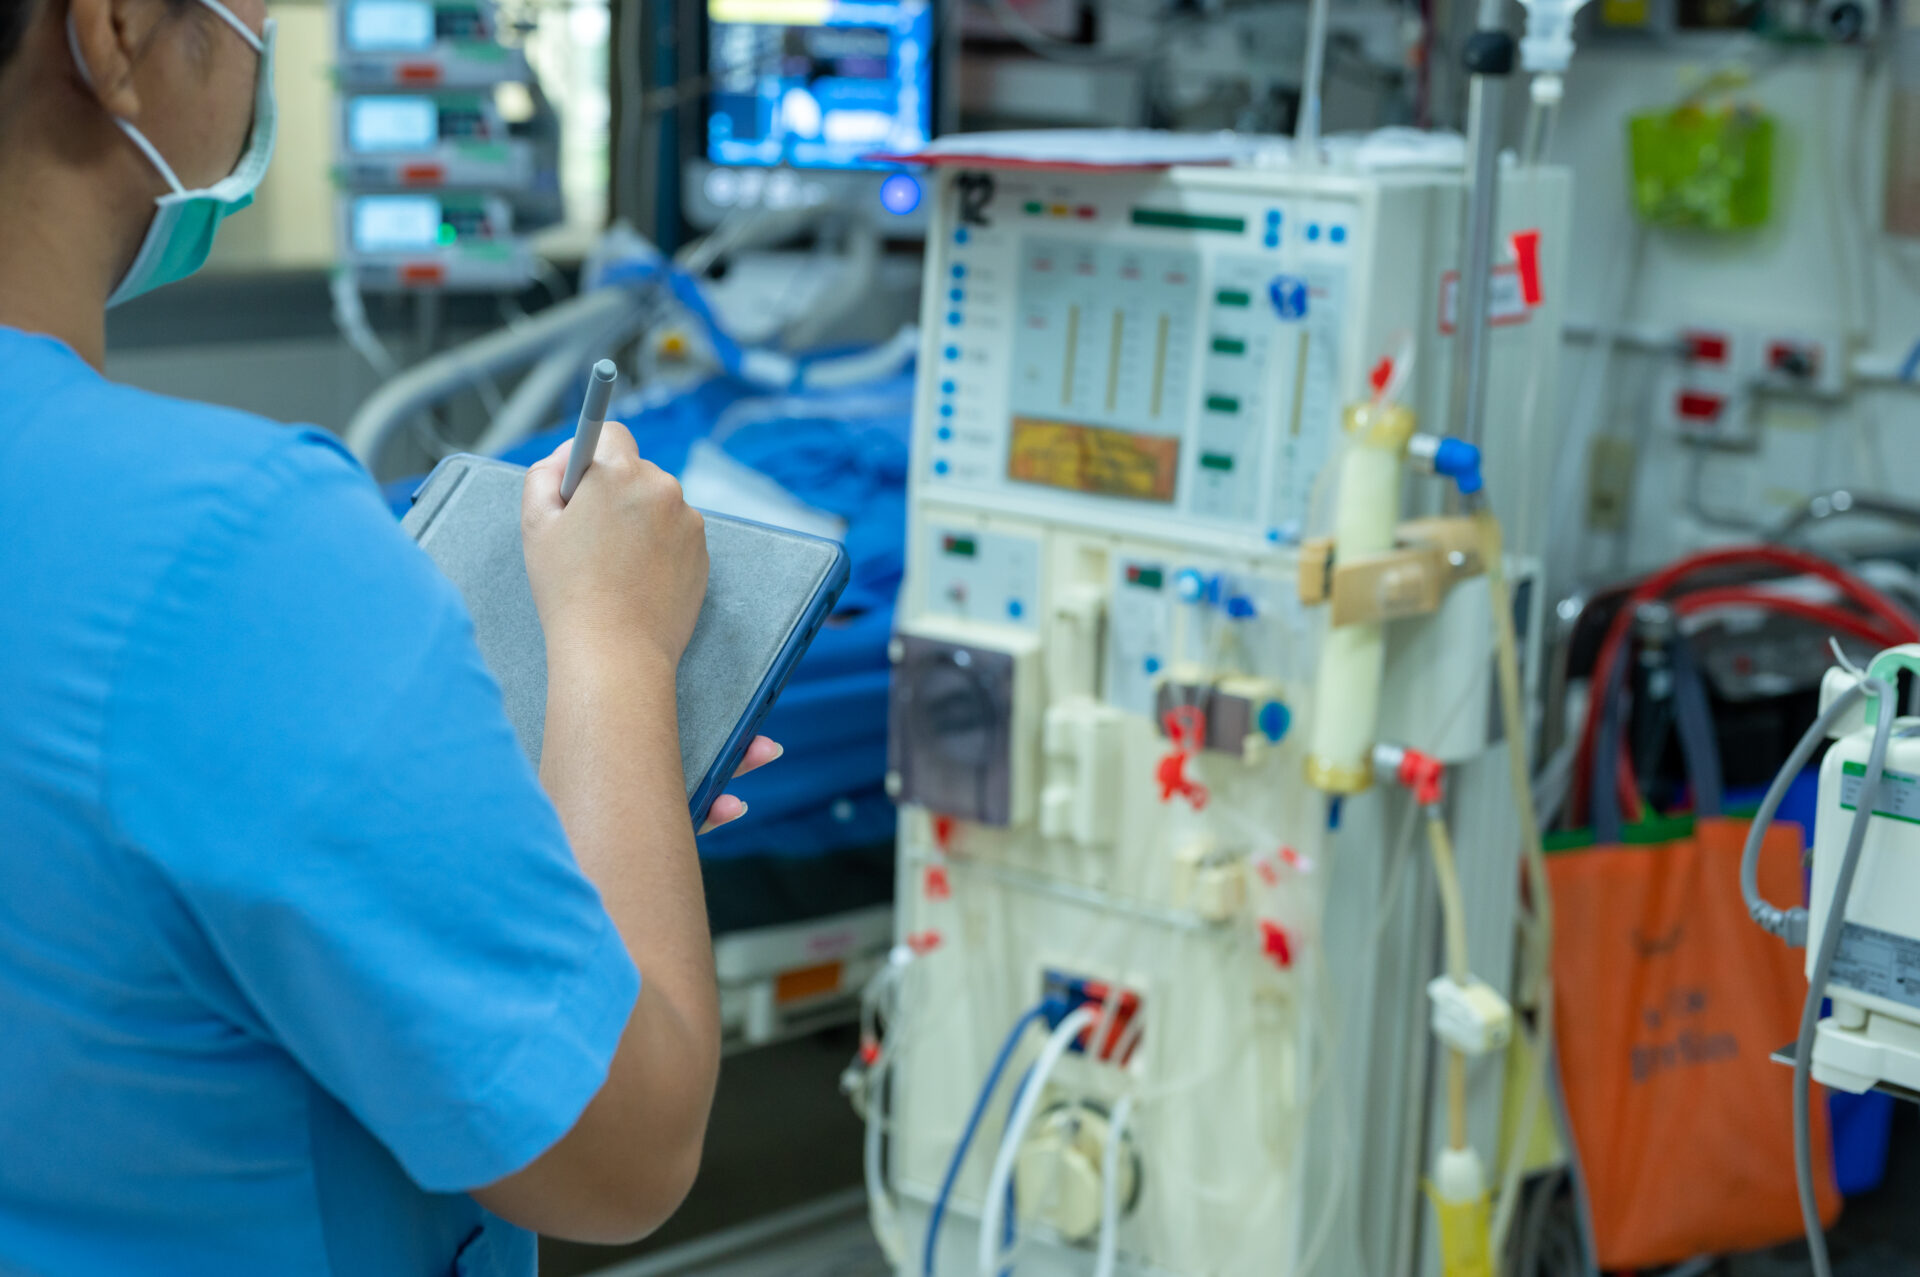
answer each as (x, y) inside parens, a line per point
(819, 84)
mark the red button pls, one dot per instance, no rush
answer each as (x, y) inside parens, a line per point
(1706, 348)
(1695, 406)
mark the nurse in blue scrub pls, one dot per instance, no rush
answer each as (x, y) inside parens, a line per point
(303, 970)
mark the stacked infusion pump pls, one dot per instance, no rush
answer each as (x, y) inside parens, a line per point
(434, 188)
(1130, 388)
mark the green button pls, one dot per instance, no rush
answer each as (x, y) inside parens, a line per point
(1222, 403)
(1034, 207)
(1232, 297)
(1229, 346)
(1216, 461)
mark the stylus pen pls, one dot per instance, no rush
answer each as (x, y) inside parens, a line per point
(586, 434)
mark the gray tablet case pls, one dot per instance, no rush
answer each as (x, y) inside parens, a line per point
(768, 592)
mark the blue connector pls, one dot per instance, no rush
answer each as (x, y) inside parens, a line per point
(1459, 461)
(1455, 459)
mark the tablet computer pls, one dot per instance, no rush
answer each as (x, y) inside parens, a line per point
(768, 592)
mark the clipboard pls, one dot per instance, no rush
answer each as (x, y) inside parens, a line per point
(768, 593)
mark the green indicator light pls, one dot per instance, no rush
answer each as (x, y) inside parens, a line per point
(1034, 208)
(1173, 221)
(1229, 346)
(1222, 403)
(1233, 297)
(960, 547)
(448, 233)
(1216, 461)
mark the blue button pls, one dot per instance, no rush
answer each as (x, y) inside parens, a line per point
(952, 352)
(956, 295)
(953, 317)
(960, 236)
(1273, 217)
(1313, 231)
(1014, 609)
(959, 271)
(1273, 241)
(944, 433)
(946, 410)
(1152, 665)
(940, 467)
(1275, 719)
(1338, 234)
(1242, 608)
(947, 387)
(1273, 535)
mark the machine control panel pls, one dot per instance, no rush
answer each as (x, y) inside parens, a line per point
(974, 574)
(1139, 350)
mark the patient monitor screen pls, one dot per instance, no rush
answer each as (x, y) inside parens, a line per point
(817, 83)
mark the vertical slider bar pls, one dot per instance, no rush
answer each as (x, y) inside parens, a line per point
(1113, 360)
(1159, 363)
(1299, 384)
(1073, 348)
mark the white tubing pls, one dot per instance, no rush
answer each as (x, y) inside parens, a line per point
(531, 406)
(863, 366)
(350, 317)
(388, 409)
(880, 1208)
(991, 1217)
(1109, 1248)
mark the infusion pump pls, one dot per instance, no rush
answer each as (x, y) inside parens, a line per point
(1132, 388)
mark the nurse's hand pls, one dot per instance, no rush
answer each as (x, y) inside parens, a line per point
(726, 807)
(619, 572)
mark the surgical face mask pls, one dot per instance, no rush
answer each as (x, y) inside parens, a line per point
(181, 233)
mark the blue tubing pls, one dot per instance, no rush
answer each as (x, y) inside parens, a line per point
(960, 1150)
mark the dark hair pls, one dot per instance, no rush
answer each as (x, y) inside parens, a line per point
(13, 26)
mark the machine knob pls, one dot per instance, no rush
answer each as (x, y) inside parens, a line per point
(1288, 293)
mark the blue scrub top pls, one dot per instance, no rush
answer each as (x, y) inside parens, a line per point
(293, 950)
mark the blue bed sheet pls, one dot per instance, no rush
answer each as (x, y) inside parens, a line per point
(846, 453)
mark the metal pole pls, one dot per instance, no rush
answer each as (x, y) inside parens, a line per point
(1306, 133)
(1489, 61)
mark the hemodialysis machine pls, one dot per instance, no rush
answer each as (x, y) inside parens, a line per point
(1191, 641)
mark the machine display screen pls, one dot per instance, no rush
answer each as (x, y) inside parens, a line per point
(818, 83)
(396, 223)
(1094, 459)
(382, 124)
(377, 26)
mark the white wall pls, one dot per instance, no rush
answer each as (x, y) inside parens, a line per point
(1819, 265)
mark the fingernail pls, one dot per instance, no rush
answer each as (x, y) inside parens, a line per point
(779, 751)
(741, 812)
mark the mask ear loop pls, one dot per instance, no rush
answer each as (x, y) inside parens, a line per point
(228, 16)
(134, 135)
